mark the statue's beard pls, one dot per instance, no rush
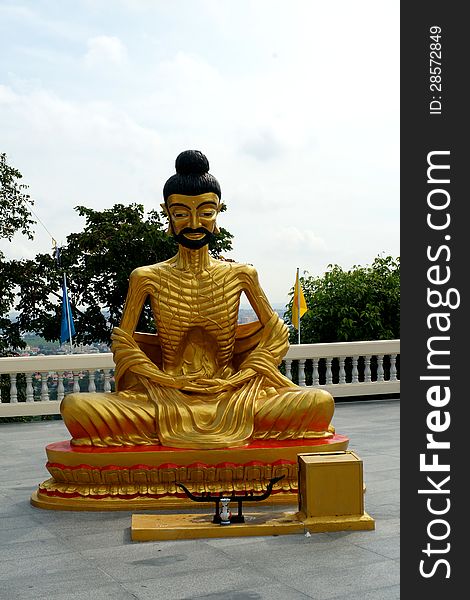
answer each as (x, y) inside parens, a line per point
(194, 244)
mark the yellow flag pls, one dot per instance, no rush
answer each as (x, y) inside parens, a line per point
(299, 306)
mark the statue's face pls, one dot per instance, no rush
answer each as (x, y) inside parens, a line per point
(193, 218)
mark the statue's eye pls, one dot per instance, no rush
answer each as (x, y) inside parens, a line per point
(207, 214)
(180, 214)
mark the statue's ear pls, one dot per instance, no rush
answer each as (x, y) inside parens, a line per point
(164, 210)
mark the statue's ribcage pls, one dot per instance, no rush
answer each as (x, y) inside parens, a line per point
(184, 303)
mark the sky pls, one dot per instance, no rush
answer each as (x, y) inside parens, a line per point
(295, 104)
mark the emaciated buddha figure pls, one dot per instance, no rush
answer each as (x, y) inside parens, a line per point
(202, 381)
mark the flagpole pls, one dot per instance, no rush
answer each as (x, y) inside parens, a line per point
(298, 305)
(67, 308)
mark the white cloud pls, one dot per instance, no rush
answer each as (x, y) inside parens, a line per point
(105, 51)
(295, 239)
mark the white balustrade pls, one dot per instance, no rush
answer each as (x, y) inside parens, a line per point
(288, 368)
(342, 370)
(13, 388)
(91, 380)
(315, 374)
(367, 372)
(302, 372)
(329, 372)
(29, 388)
(44, 388)
(344, 367)
(380, 367)
(60, 385)
(107, 380)
(393, 367)
(355, 370)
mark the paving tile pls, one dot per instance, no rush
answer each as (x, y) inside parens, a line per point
(104, 592)
(191, 584)
(37, 566)
(303, 556)
(61, 584)
(336, 580)
(16, 522)
(27, 549)
(265, 592)
(383, 593)
(150, 560)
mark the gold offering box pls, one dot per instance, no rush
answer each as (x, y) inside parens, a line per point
(331, 486)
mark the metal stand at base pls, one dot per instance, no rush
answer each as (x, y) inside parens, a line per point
(247, 497)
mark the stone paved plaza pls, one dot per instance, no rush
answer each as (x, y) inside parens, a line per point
(90, 556)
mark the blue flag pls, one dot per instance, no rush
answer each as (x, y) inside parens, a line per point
(67, 327)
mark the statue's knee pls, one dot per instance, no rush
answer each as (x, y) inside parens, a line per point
(326, 400)
(70, 404)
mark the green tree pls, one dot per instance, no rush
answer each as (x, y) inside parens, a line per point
(15, 214)
(360, 304)
(98, 262)
(15, 217)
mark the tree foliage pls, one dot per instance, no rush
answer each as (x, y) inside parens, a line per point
(97, 262)
(360, 304)
(15, 216)
(14, 212)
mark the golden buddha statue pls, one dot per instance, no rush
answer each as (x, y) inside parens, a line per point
(202, 381)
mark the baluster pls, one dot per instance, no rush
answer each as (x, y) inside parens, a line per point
(329, 373)
(289, 368)
(393, 367)
(380, 367)
(29, 388)
(302, 372)
(355, 372)
(367, 377)
(44, 388)
(60, 385)
(315, 376)
(91, 380)
(13, 388)
(107, 382)
(342, 372)
(76, 385)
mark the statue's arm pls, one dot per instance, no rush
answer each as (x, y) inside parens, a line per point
(136, 296)
(255, 294)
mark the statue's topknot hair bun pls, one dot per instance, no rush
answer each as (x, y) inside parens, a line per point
(192, 176)
(191, 162)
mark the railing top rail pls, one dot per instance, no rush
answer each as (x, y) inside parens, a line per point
(337, 349)
(63, 362)
(78, 362)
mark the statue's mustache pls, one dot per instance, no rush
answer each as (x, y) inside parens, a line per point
(198, 230)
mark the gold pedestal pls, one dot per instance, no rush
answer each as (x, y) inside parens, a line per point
(145, 477)
(331, 498)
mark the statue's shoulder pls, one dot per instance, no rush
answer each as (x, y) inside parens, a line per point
(246, 271)
(238, 269)
(149, 271)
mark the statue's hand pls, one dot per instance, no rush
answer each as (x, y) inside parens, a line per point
(208, 386)
(241, 376)
(215, 385)
(181, 382)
